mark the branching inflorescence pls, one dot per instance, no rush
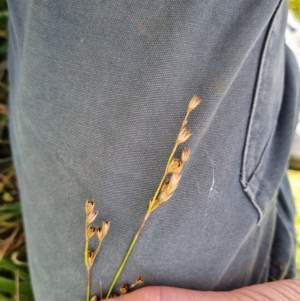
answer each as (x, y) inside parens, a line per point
(100, 232)
(163, 193)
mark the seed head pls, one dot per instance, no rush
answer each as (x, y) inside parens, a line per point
(105, 227)
(89, 206)
(183, 135)
(139, 280)
(174, 166)
(99, 233)
(91, 217)
(194, 102)
(174, 180)
(94, 298)
(185, 155)
(124, 289)
(91, 256)
(90, 232)
(164, 196)
(165, 185)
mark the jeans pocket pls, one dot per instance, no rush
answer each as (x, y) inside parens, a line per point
(267, 99)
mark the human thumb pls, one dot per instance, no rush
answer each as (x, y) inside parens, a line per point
(165, 293)
(283, 290)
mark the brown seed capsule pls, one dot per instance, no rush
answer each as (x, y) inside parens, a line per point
(90, 232)
(165, 185)
(94, 298)
(174, 180)
(99, 233)
(89, 206)
(164, 196)
(183, 135)
(90, 258)
(91, 217)
(194, 102)
(185, 155)
(105, 227)
(139, 280)
(124, 289)
(174, 166)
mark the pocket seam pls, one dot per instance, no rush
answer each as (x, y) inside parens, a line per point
(264, 66)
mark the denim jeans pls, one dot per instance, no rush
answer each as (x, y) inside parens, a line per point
(98, 93)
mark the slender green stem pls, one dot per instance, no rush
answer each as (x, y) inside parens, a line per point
(120, 270)
(88, 281)
(151, 204)
(86, 248)
(88, 276)
(86, 253)
(121, 267)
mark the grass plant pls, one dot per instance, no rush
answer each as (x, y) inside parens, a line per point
(162, 194)
(14, 274)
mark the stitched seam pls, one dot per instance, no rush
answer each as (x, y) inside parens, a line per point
(261, 68)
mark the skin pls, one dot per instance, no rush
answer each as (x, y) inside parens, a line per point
(283, 290)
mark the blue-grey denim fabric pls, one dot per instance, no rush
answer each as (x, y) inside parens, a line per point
(98, 93)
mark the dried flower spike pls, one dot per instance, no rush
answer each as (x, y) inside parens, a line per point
(194, 102)
(164, 196)
(90, 232)
(183, 135)
(99, 234)
(105, 227)
(89, 206)
(185, 155)
(174, 166)
(91, 256)
(139, 280)
(124, 289)
(174, 180)
(166, 186)
(91, 217)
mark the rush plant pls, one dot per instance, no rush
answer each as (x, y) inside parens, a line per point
(162, 194)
